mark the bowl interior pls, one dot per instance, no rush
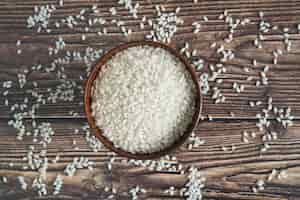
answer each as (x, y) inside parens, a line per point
(88, 92)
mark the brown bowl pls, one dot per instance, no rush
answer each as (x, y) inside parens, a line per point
(98, 133)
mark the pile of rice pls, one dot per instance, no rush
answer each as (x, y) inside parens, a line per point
(143, 99)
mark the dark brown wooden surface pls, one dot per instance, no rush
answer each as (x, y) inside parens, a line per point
(230, 175)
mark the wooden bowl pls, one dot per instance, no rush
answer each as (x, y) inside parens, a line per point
(98, 133)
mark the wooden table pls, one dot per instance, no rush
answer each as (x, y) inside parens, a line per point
(229, 174)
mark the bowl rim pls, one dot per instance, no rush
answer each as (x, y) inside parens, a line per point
(88, 93)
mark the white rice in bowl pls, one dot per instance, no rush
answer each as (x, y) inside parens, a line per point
(143, 99)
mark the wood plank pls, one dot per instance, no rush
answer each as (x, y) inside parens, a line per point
(283, 78)
(229, 187)
(230, 175)
(18, 9)
(85, 185)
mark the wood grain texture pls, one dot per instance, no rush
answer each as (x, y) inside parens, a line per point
(216, 135)
(283, 79)
(230, 175)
